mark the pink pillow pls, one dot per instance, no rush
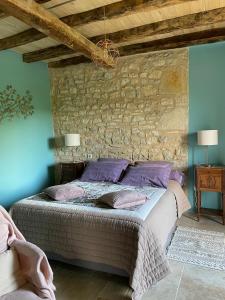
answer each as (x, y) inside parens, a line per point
(64, 192)
(123, 199)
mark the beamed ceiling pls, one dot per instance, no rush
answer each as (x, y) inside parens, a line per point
(64, 32)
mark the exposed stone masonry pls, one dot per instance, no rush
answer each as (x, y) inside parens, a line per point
(139, 110)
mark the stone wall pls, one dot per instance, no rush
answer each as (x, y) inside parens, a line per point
(139, 110)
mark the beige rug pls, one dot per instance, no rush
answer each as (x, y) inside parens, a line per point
(199, 247)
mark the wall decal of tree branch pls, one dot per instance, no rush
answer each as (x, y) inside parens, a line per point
(13, 105)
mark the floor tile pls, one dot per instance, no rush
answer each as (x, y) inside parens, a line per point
(166, 289)
(202, 284)
(116, 290)
(74, 283)
(207, 223)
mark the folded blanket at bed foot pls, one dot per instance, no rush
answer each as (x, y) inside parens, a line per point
(25, 271)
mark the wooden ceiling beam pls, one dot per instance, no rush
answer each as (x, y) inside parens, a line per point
(181, 41)
(150, 30)
(4, 15)
(114, 10)
(42, 1)
(35, 15)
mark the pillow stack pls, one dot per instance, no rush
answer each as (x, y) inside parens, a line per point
(123, 162)
(109, 170)
(153, 173)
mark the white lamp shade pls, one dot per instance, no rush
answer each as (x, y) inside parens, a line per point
(208, 137)
(72, 139)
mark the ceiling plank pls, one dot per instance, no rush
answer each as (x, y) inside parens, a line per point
(128, 35)
(4, 15)
(181, 41)
(118, 9)
(36, 16)
(47, 53)
(69, 61)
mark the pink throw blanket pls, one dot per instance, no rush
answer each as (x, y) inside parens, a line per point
(33, 261)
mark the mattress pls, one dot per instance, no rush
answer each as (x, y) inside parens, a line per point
(93, 190)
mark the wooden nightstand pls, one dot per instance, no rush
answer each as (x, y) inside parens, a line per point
(210, 179)
(70, 171)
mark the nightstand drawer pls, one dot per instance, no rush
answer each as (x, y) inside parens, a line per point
(209, 170)
(210, 179)
(210, 182)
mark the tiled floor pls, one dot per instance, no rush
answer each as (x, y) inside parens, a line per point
(186, 282)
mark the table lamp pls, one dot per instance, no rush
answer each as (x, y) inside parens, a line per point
(72, 139)
(207, 138)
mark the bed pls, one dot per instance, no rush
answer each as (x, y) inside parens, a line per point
(129, 242)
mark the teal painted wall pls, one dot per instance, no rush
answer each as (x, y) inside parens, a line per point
(206, 107)
(25, 155)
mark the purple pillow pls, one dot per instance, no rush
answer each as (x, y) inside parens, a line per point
(102, 171)
(64, 192)
(123, 199)
(153, 163)
(177, 176)
(153, 176)
(123, 162)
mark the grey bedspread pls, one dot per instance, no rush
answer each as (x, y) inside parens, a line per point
(122, 241)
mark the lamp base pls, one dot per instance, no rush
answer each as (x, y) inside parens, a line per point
(206, 165)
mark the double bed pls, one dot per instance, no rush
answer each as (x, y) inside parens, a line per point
(128, 242)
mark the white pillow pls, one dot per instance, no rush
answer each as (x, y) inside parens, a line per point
(11, 278)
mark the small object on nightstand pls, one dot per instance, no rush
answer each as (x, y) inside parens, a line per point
(210, 179)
